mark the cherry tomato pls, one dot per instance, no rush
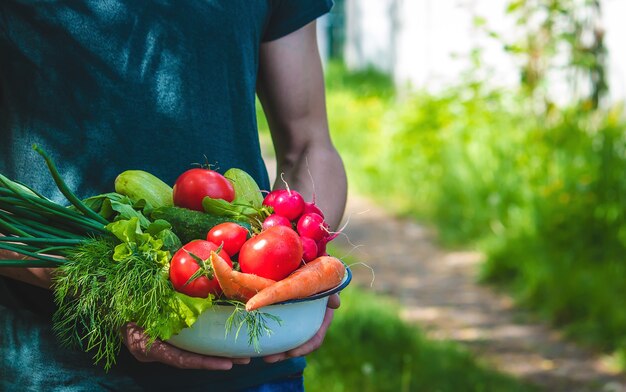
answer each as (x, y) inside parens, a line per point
(195, 184)
(230, 234)
(183, 266)
(274, 253)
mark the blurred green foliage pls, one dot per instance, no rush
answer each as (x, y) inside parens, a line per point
(543, 194)
(369, 348)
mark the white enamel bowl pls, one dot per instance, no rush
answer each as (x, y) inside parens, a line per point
(300, 320)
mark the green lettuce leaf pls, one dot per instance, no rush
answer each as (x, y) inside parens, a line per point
(183, 312)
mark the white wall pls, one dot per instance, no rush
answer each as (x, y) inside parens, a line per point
(615, 22)
(427, 43)
(369, 34)
(437, 37)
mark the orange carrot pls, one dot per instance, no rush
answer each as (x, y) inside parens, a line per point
(235, 284)
(318, 275)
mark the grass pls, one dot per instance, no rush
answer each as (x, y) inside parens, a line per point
(370, 348)
(543, 194)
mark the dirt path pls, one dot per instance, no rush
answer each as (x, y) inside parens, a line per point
(438, 291)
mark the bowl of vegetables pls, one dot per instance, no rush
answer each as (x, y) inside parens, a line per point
(271, 285)
(228, 330)
(209, 265)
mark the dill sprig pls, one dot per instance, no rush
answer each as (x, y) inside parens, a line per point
(256, 322)
(96, 296)
(84, 318)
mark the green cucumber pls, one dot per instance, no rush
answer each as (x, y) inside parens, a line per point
(139, 184)
(191, 225)
(246, 189)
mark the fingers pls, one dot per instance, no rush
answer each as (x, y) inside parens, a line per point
(241, 361)
(311, 345)
(170, 355)
(159, 351)
(334, 301)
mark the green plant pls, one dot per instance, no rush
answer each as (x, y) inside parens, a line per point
(542, 194)
(369, 348)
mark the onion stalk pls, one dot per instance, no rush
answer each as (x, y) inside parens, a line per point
(40, 229)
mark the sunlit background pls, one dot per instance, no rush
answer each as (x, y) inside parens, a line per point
(485, 142)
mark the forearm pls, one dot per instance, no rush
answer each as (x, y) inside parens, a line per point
(317, 172)
(291, 89)
(41, 277)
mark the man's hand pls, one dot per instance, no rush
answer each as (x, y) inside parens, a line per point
(135, 340)
(316, 341)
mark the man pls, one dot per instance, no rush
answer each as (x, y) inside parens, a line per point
(106, 86)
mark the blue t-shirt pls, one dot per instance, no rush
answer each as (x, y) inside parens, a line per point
(109, 85)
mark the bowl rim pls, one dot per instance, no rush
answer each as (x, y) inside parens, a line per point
(347, 278)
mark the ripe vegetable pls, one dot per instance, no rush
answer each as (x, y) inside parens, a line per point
(246, 189)
(321, 247)
(273, 254)
(195, 184)
(230, 235)
(285, 202)
(321, 274)
(310, 206)
(269, 199)
(189, 272)
(309, 249)
(312, 225)
(138, 184)
(275, 220)
(237, 285)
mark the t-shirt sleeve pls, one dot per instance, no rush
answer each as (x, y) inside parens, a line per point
(287, 16)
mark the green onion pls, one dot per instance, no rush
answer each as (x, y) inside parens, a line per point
(31, 240)
(71, 197)
(29, 263)
(36, 227)
(20, 249)
(49, 208)
(12, 229)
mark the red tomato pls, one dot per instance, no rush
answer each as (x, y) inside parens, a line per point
(230, 234)
(183, 266)
(273, 254)
(195, 184)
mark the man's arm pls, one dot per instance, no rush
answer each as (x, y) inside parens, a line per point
(291, 90)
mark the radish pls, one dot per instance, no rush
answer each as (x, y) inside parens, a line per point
(313, 226)
(285, 202)
(269, 199)
(321, 247)
(309, 248)
(276, 220)
(311, 207)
